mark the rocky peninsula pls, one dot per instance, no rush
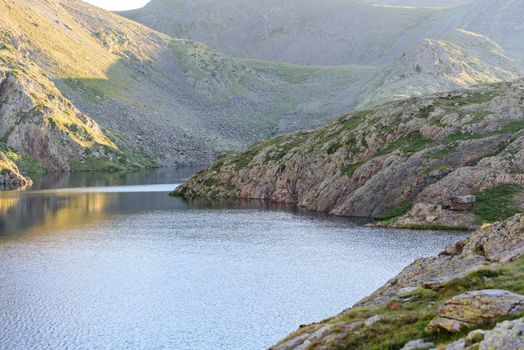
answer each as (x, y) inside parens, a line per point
(404, 163)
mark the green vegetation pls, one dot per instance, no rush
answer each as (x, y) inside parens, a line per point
(513, 126)
(497, 203)
(281, 150)
(411, 143)
(26, 165)
(475, 97)
(438, 168)
(350, 169)
(458, 136)
(298, 74)
(478, 116)
(333, 148)
(118, 161)
(212, 182)
(396, 211)
(343, 124)
(414, 310)
(443, 152)
(426, 111)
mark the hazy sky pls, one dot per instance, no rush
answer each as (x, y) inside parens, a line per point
(115, 5)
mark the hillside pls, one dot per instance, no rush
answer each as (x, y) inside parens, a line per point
(457, 59)
(173, 101)
(406, 157)
(499, 20)
(40, 129)
(423, 3)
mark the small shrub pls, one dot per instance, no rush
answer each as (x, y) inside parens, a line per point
(395, 211)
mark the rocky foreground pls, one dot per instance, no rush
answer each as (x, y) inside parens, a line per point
(409, 163)
(471, 297)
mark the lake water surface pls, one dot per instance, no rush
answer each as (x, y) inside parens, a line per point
(95, 261)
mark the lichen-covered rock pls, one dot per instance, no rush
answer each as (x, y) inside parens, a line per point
(304, 340)
(507, 335)
(435, 214)
(475, 308)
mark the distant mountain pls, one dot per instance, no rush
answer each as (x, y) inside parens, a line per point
(499, 20)
(332, 32)
(455, 60)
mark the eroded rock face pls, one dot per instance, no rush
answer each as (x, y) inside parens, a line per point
(304, 340)
(475, 308)
(422, 150)
(38, 122)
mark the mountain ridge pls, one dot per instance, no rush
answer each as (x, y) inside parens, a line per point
(168, 101)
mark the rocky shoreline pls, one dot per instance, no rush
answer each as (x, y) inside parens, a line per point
(468, 297)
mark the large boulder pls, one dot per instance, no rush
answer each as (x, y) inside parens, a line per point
(475, 308)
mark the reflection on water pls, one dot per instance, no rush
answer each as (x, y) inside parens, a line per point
(93, 261)
(60, 201)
